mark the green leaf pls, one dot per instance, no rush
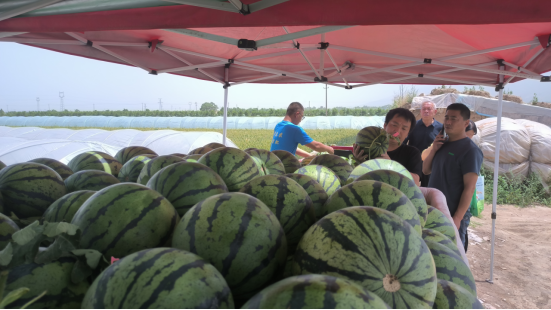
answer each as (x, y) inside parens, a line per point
(3, 280)
(13, 296)
(32, 301)
(27, 234)
(93, 257)
(6, 255)
(80, 272)
(61, 247)
(55, 229)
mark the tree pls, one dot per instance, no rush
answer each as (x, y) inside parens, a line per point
(209, 106)
(2, 112)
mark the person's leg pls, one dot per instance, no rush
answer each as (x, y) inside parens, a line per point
(463, 229)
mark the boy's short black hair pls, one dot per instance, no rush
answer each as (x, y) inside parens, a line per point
(294, 107)
(472, 126)
(463, 110)
(401, 112)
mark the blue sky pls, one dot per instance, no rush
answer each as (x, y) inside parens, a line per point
(28, 73)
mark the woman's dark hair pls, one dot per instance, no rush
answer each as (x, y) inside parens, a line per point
(401, 112)
(472, 126)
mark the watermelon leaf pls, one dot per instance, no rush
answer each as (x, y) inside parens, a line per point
(27, 234)
(13, 296)
(60, 246)
(55, 229)
(6, 255)
(93, 257)
(80, 272)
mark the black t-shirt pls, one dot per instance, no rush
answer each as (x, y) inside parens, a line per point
(409, 157)
(422, 136)
(452, 161)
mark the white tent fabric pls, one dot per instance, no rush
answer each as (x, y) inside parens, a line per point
(25, 143)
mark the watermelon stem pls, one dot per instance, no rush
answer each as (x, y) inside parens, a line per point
(391, 283)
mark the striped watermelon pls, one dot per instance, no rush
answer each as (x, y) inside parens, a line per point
(260, 165)
(314, 190)
(54, 277)
(125, 154)
(161, 278)
(405, 185)
(1, 202)
(290, 162)
(184, 184)
(451, 267)
(373, 140)
(288, 201)
(215, 145)
(7, 228)
(338, 165)
(452, 296)
(323, 175)
(192, 158)
(125, 218)
(436, 220)
(178, 154)
(130, 171)
(92, 180)
(315, 292)
(374, 194)
(29, 189)
(270, 161)
(239, 235)
(63, 170)
(63, 209)
(2, 165)
(200, 151)
(435, 236)
(234, 166)
(154, 165)
(374, 248)
(378, 164)
(95, 161)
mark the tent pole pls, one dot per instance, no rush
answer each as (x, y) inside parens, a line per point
(496, 172)
(226, 75)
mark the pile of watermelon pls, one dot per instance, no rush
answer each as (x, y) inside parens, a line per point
(224, 228)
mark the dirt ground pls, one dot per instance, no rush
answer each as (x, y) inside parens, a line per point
(522, 270)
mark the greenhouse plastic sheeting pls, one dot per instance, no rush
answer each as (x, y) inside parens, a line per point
(25, 143)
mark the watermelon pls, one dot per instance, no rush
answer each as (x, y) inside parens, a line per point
(95, 161)
(405, 185)
(125, 218)
(270, 161)
(436, 220)
(1, 202)
(130, 171)
(2, 165)
(378, 164)
(452, 296)
(184, 184)
(451, 267)
(290, 162)
(260, 165)
(373, 141)
(154, 165)
(178, 154)
(234, 166)
(373, 248)
(374, 194)
(323, 175)
(239, 235)
(7, 228)
(92, 180)
(435, 236)
(127, 153)
(63, 170)
(288, 201)
(315, 292)
(338, 165)
(200, 151)
(54, 277)
(314, 190)
(160, 278)
(29, 189)
(192, 158)
(215, 145)
(63, 209)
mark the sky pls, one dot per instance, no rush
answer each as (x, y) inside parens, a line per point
(28, 73)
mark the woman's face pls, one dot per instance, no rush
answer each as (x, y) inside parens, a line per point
(470, 134)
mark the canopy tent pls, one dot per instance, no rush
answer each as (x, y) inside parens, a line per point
(488, 43)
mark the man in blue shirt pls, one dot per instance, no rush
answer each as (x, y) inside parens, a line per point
(287, 134)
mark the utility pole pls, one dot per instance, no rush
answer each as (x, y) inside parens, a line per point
(160, 104)
(196, 106)
(326, 86)
(189, 106)
(61, 95)
(38, 104)
(93, 106)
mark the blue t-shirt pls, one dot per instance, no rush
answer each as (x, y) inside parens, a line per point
(287, 136)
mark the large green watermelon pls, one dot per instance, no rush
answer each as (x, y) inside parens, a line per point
(29, 189)
(215, 145)
(54, 277)
(2, 165)
(315, 292)
(436, 220)
(288, 201)
(125, 218)
(63, 209)
(95, 161)
(125, 154)
(63, 170)
(374, 248)
(438, 237)
(270, 161)
(260, 165)
(184, 184)
(234, 166)
(154, 165)
(131, 170)
(405, 185)
(160, 278)
(451, 267)
(240, 236)
(323, 175)
(314, 190)
(192, 158)
(374, 194)
(91, 180)
(7, 228)
(338, 165)
(373, 141)
(200, 151)
(378, 164)
(452, 296)
(290, 161)
(181, 155)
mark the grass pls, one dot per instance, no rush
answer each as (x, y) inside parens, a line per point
(514, 191)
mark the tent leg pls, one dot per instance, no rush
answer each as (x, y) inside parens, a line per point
(496, 173)
(226, 74)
